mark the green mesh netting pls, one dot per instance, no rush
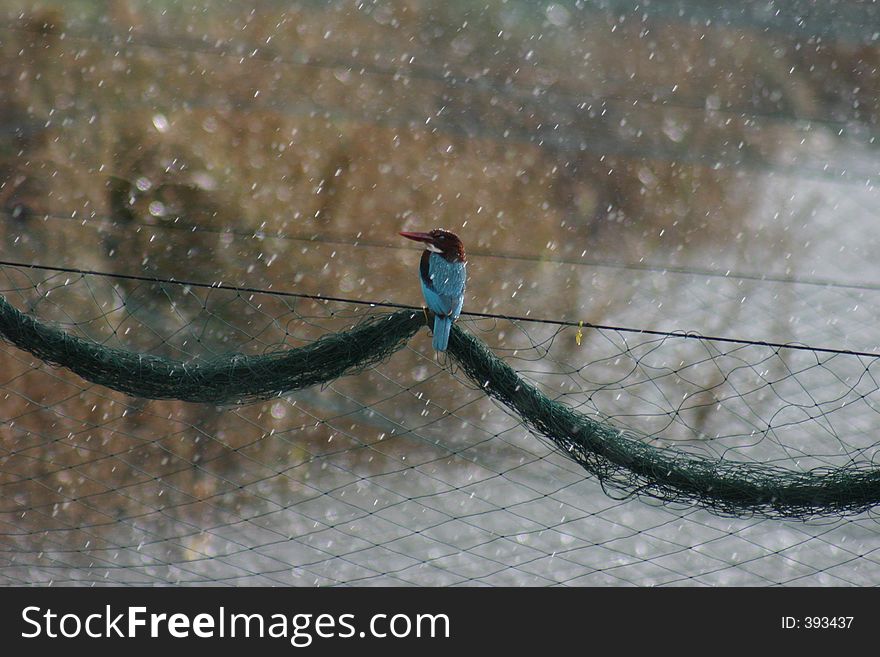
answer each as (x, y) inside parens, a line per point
(620, 459)
(234, 378)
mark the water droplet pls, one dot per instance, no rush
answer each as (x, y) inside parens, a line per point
(557, 15)
(160, 123)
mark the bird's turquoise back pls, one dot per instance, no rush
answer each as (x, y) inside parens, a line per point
(444, 293)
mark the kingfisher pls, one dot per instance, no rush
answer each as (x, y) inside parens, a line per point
(442, 272)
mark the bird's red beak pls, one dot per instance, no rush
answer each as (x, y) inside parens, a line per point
(418, 237)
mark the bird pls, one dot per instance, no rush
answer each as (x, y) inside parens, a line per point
(443, 273)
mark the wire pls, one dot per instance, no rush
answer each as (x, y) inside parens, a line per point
(658, 268)
(389, 304)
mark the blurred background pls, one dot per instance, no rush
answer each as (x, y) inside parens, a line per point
(689, 166)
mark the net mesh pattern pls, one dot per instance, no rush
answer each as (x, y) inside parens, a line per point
(408, 472)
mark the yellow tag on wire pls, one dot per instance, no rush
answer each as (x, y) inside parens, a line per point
(580, 333)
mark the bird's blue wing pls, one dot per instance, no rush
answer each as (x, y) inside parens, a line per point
(444, 287)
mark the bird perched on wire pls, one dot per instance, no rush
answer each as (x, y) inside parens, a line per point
(442, 272)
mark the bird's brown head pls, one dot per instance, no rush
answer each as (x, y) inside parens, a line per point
(440, 241)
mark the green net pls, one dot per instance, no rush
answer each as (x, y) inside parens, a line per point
(407, 472)
(618, 458)
(625, 461)
(234, 378)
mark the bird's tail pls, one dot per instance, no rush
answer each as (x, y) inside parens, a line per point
(442, 326)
